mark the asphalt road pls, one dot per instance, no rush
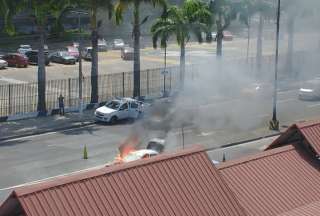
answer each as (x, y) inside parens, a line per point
(218, 122)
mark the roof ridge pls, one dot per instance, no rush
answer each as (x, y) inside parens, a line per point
(305, 124)
(89, 174)
(255, 157)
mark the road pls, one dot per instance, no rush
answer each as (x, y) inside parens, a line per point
(218, 123)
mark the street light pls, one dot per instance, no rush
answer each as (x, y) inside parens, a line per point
(274, 123)
(79, 13)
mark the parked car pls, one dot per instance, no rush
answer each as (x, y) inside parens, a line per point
(73, 51)
(227, 36)
(127, 53)
(87, 54)
(24, 48)
(310, 90)
(214, 36)
(118, 44)
(102, 45)
(3, 64)
(16, 60)
(33, 57)
(119, 109)
(62, 57)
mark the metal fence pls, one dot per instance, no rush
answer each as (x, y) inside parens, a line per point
(23, 98)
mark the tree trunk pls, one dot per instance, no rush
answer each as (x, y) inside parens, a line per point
(219, 42)
(248, 42)
(136, 54)
(182, 63)
(291, 23)
(259, 42)
(219, 36)
(94, 54)
(41, 74)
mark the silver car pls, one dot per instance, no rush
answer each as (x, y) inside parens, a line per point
(310, 90)
(118, 44)
(3, 64)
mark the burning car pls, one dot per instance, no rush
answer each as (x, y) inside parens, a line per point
(129, 152)
(119, 109)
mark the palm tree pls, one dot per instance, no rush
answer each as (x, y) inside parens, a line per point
(120, 7)
(92, 6)
(224, 14)
(39, 11)
(192, 18)
(246, 9)
(266, 10)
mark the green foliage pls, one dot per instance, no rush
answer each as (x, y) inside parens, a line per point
(193, 17)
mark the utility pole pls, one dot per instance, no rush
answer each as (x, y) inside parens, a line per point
(79, 13)
(274, 123)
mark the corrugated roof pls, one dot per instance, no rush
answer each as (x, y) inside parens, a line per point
(312, 209)
(184, 183)
(275, 181)
(308, 131)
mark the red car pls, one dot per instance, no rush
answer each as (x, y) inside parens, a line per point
(73, 51)
(227, 36)
(16, 60)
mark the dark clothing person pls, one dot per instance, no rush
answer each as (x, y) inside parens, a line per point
(61, 105)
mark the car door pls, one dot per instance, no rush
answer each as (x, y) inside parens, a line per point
(133, 110)
(8, 58)
(123, 112)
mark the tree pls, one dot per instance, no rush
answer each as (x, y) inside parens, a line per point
(266, 9)
(39, 11)
(193, 17)
(223, 15)
(92, 6)
(120, 7)
(246, 9)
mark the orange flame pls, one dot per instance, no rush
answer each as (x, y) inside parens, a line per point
(129, 145)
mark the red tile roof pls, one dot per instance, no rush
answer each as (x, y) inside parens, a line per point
(275, 181)
(183, 183)
(308, 131)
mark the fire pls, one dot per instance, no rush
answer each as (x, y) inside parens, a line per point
(129, 145)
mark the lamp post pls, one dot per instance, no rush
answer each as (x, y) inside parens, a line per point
(79, 13)
(274, 123)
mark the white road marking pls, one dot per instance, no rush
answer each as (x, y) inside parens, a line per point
(313, 105)
(206, 133)
(286, 100)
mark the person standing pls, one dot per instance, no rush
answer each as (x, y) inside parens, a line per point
(61, 104)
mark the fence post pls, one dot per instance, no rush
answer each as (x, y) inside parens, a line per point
(147, 81)
(69, 92)
(9, 102)
(123, 87)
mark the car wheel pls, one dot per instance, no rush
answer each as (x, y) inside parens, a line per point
(113, 119)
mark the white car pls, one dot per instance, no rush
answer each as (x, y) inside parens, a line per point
(3, 64)
(139, 154)
(102, 45)
(310, 90)
(118, 44)
(119, 109)
(24, 48)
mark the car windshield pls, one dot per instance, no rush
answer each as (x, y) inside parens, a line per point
(113, 105)
(64, 54)
(118, 41)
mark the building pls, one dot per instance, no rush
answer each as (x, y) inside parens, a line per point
(283, 180)
(183, 183)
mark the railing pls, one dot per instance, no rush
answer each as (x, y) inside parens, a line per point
(23, 98)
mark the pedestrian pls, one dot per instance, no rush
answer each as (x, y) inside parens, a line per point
(61, 104)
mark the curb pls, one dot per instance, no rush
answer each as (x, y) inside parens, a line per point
(82, 124)
(242, 142)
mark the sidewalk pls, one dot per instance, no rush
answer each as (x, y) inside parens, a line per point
(32, 126)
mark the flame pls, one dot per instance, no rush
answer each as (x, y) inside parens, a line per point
(129, 145)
